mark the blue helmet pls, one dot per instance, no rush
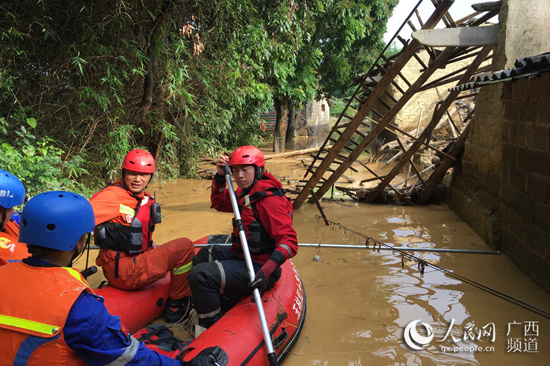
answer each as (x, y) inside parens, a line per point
(12, 191)
(56, 220)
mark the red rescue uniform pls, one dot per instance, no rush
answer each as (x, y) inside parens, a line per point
(266, 216)
(31, 329)
(131, 261)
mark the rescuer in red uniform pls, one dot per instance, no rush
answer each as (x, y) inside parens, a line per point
(125, 217)
(266, 215)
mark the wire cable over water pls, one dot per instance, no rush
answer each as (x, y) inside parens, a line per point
(422, 264)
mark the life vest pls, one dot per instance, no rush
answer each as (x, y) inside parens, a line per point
(31, 325)
(134, 237)
(10, 248)
(259, 241)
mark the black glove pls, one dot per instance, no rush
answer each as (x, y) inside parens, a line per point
(261, 281)
(213, 356)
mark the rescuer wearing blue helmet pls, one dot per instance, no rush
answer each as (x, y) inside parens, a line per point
(12, 194)
(48, 312)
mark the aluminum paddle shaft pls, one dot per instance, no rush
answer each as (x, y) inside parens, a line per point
(251, 274)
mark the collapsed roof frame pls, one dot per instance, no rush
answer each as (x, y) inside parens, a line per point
(341, 147)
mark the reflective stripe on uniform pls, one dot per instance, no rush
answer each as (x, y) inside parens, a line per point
(73, 272)
(46, 329)
(183, 269)
(210, 249)
(128, 355)
(126, 210)
(287, 248)
(223, 279)
(210, 314)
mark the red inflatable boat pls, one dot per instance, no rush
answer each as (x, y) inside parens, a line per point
(238, 333)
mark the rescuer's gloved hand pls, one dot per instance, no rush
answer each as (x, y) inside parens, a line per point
(212, 356)
(261, 280)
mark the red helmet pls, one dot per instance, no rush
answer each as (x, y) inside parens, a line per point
(140, 161)
(247, 155)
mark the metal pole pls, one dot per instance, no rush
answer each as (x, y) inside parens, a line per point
(248, 259)
(442, 250)
(409, 249)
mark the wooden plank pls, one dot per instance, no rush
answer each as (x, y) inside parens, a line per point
(294, 153)
(488, 6)
(459, 37)
(452, 126)
(419, 18)
(411, 165)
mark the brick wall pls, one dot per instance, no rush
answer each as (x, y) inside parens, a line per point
(525, 176)
(502, 188)
(475, 187)
(317, 115)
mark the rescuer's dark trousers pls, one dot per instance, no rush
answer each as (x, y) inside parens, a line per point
(218, 280)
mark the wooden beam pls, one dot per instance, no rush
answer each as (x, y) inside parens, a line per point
(429, 128)
(294, 153)
(405, 55)
(488, 6)
(459, 37)
(439, 173)
(411, 165)
(386, 120)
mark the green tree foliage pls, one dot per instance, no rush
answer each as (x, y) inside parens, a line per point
(350, 39)
(335, 41)
(179, 78)
(38, 163)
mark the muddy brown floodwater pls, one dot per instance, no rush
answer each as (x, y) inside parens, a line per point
(360, 301)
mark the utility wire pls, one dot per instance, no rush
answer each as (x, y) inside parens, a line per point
(422, 264)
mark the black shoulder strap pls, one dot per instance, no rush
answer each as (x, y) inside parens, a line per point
(273, 191)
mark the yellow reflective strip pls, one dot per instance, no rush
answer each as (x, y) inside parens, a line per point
(29, 325)
(126, 210)
(73, 272)
(181, 270)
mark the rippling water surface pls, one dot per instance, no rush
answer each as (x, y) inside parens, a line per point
(360, 301)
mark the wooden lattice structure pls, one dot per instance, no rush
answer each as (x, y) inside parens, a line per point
(347, 139)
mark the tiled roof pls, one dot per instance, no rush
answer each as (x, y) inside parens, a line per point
(525, 67)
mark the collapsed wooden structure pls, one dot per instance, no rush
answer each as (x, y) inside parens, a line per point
(355, 130)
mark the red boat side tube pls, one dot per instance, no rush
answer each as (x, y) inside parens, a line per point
(137, 308)
(239, 332)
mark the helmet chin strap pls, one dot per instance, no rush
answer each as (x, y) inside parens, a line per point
(259, 173)
(77, 254)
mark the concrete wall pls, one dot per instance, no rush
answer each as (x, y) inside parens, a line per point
(314, 118)
(524, 30)
(505, 155)
(317, 115)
